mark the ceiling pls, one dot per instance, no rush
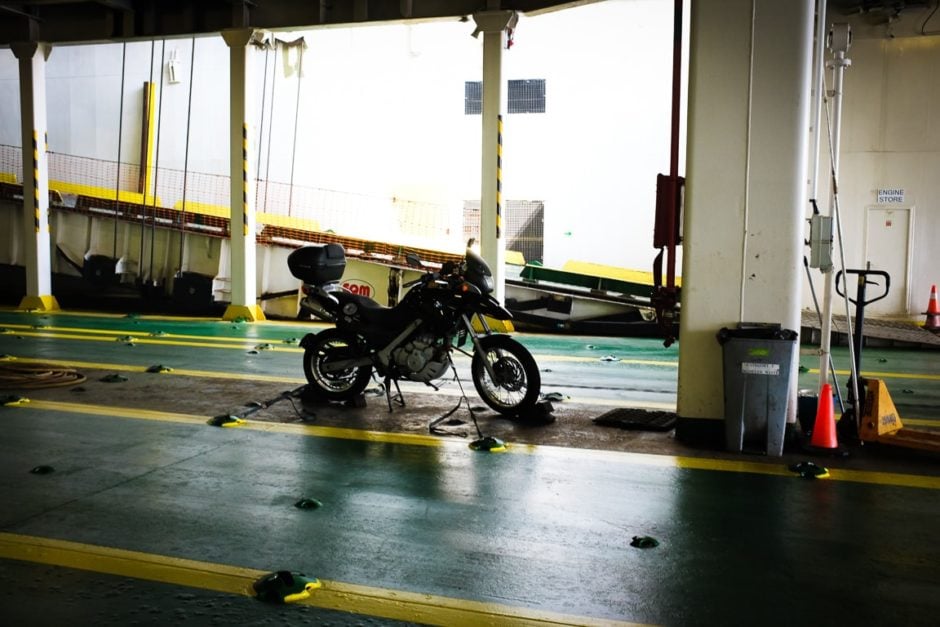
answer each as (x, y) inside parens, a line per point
(80, 21)
(74, 21)
(888, 7)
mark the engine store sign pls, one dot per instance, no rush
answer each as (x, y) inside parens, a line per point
(362, 288)
(892, 196)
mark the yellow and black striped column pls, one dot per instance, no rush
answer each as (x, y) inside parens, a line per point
(243, 275)
(499, 177)
(493, 25)
(32, 67)
(37, 208)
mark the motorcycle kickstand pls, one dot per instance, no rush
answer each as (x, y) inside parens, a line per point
(399, 399)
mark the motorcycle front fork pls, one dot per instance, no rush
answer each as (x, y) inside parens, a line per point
(477, 346)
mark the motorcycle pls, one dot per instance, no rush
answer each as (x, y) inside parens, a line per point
(415, 339)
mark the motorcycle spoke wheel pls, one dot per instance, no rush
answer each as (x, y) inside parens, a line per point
(340, 385)
(514, 386)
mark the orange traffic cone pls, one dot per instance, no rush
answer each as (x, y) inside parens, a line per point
(824, 430)
(932, 323)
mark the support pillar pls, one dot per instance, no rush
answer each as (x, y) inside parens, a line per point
(242, 170)
(32, 60)
(748, 136)
(493, 25)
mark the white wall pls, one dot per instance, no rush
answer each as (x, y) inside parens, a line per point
(382, 117)
(605, 136)
(890, 139)
(10, 133)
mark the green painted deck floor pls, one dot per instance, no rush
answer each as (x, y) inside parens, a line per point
(150, 516)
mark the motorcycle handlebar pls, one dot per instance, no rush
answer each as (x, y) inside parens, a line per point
(424, 278)
(448, 270)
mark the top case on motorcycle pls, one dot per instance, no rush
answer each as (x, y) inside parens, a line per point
(318, 263)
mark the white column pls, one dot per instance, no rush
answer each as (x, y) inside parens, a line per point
(32, 59)
(749, 103)
(840, 41)
(493, 25)
(244, 264)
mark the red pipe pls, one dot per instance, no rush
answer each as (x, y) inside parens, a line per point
(668, 201)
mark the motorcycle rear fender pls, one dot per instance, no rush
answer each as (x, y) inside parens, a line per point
(305, 340)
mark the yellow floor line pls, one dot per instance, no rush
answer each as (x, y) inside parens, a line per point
(192, 341)
(153, 317)
(540, 357)
(884, 375)
(268, 427)
(919, 422)
(116, 412)
(230, 343)
(641, 459)
(334, 595)
(208, 341)
(236, 376)
(114, 316)
(136, 334)
(248, 343)
(203, 341)
(738, 466)
(209, 374)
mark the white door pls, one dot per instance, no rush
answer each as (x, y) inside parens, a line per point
(887, 247)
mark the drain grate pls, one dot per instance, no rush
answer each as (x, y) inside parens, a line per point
(637, 419)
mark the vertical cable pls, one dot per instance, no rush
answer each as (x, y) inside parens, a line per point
(143, 214)
(156, 164)
(293, 154)
(264, 94)
(267, 162)
(747, 162)
(189, 112)
(117, 181)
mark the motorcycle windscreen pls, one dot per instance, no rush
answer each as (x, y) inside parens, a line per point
(479, 273)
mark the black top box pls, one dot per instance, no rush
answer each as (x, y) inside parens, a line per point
(318, 263)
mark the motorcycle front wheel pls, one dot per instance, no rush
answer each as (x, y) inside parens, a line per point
(515, 388)
(329, 346)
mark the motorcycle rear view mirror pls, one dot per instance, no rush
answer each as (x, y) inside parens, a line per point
(414, 260)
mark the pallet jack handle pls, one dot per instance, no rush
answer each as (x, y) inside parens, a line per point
(862, 283)
(857, 386)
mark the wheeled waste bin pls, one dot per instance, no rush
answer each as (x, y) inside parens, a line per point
(757, 358)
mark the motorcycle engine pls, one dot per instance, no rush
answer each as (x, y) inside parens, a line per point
(420, 359)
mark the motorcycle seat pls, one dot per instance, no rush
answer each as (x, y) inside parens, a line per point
(369, 311)
(361, 302)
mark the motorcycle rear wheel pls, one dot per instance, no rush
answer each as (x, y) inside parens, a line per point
(517, 384)
(332, 345)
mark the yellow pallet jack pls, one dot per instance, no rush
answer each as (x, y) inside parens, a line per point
(881, 423)
(879, 420)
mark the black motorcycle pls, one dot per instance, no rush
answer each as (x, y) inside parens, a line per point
(413, 340)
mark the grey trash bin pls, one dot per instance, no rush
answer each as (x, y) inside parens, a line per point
(757, 358)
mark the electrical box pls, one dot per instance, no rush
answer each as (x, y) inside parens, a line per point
(820, 242)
